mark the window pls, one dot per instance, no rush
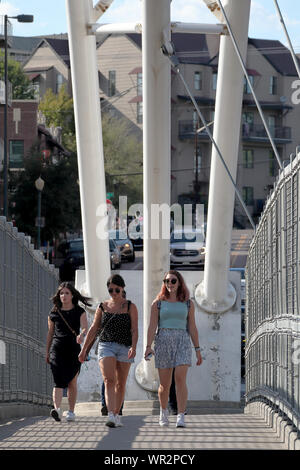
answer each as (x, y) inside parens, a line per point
(272, 124)
(248, 160)
(59, 82)
(195, 121)
(16, 154)
(214, 83)
(246, 84)
(139, 112)
(248, 195)
(36, 88)
(271, 163)
(139, 79)
(247, 127)
(198, 80)
(197, 161)
(273, 85)
(111, 83)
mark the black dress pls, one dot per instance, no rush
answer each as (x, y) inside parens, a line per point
(64, 349)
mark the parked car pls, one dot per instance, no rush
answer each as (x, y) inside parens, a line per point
(124, 244)
(187, 248)
(136, 233)
(115, 255)
(73, 253)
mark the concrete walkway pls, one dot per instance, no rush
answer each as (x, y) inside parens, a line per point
(234, 431)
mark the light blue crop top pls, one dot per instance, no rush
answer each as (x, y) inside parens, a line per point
(173, 314)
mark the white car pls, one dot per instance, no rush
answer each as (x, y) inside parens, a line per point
(187, 248)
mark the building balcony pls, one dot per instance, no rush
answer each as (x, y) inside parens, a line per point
(250, 132)
(257, 133)
(187, 130)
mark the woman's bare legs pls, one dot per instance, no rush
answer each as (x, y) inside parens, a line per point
(122, 370)
(57, 396)
(165, 378)
(72, 393)
(108, 370)
(181, 387)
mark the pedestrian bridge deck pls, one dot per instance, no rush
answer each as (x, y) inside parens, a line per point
(230, 431)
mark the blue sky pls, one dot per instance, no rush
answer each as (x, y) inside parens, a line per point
(50, 16)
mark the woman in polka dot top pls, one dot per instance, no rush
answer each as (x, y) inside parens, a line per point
(117, 320)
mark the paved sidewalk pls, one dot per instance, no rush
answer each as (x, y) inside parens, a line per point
(203, 432)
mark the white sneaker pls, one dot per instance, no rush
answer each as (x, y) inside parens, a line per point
(55, 413)
(180, 421)
(118, 421)
(70, 416)
(111, 420)
(164, 417)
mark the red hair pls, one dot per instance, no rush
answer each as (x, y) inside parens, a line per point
(183, 293)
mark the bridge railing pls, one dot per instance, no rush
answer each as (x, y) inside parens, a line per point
(27, 282)
(272, 354)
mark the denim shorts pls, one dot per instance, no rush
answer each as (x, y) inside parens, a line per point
(111, 349)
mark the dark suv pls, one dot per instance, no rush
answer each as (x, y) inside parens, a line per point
(72, 251)
(73, 254)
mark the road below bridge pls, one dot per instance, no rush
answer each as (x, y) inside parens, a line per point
(240, 244)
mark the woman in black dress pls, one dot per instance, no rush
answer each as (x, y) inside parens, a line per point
(63, 345)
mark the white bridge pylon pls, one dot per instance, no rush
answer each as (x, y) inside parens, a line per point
(215, 294)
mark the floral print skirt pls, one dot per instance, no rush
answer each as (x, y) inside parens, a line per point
(172, 348)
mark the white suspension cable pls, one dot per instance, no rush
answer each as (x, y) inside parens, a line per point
(288, 38)
(250, 85)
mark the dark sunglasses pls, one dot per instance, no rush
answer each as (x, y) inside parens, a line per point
(111, 290)
(173, 281)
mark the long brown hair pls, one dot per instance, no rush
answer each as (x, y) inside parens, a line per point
(77, 297)
(183, 293)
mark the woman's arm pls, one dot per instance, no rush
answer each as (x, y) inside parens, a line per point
(134, 330)
(194, 332)
(49, 338)
(91, 334)
(84, 327)
(151, 329)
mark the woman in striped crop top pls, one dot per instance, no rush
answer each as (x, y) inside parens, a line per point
(117, 320)
(172, 316)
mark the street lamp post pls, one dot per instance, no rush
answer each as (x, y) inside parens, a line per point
(39, 184)
(21, 19)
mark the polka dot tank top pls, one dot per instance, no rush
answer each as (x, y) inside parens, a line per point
(116, 327)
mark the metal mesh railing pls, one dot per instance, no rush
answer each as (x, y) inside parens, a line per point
(27, 282)
(272, 354)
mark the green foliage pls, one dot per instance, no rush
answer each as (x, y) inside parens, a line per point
(122, 149)
(123, 154)
(60, 196)
(58, 112)
(21, 86)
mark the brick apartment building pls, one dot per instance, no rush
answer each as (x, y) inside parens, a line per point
(23, 131)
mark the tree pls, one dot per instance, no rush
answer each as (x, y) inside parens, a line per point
(123, 154)
(60, 196)
(122, 149)
(58, 112)
(21, 86)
